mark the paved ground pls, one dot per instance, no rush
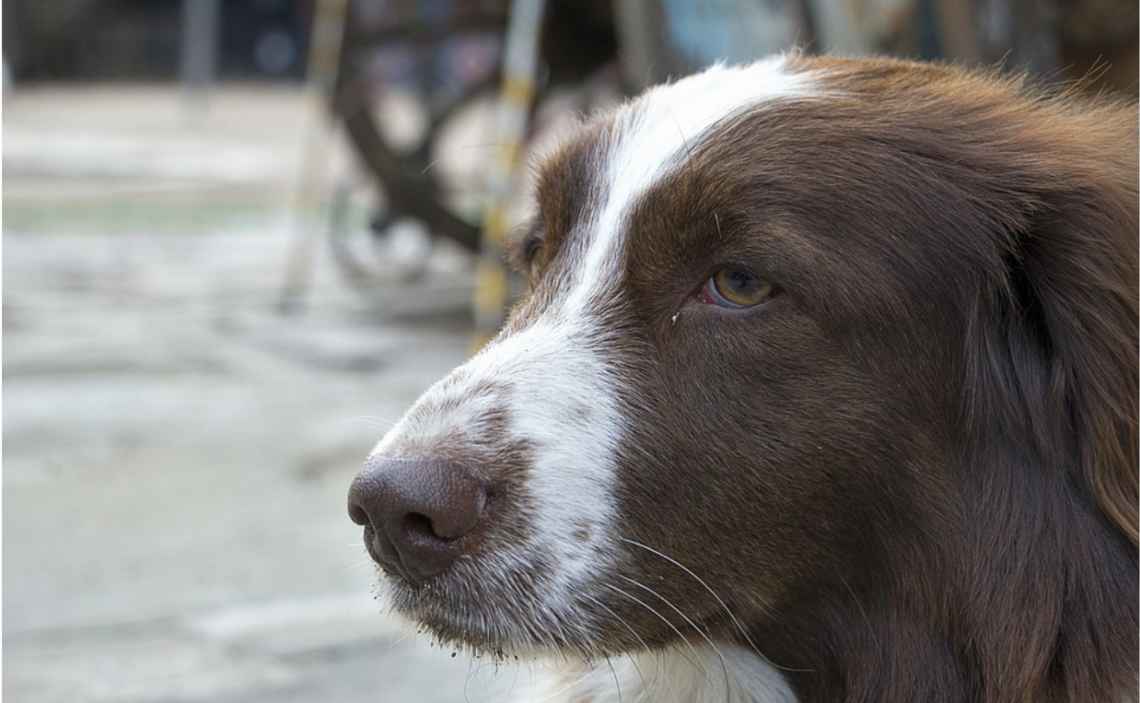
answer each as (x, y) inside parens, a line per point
(176, 453)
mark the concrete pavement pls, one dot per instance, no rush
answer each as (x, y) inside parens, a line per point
(176, 454)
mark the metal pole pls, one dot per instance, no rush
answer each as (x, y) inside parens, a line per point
(520, 67)
(199, 48)
(329, 19)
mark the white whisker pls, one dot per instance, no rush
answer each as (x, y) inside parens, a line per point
(714, 594)
(665, 620)
(645, 686)
(687, 619)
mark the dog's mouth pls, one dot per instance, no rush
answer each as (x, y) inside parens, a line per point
(498, 605)
(463, 558)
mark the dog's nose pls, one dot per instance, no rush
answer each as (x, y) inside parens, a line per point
(416, 509)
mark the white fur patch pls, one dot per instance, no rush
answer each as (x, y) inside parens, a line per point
(676, 675)
(657, 130)
(551, 366)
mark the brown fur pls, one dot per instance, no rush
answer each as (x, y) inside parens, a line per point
(914, 473)
(910, 475)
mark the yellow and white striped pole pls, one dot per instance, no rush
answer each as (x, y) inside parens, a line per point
(520, 68)
(329, 23)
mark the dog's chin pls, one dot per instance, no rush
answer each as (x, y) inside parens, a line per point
(504, 619)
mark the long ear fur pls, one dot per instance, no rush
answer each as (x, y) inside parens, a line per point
(1082, 264)
(1074, 285)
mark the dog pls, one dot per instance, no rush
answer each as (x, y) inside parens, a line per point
(824, 389)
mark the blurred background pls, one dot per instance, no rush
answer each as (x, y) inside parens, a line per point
(241, 236)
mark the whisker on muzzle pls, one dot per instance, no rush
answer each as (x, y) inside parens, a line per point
(680, 635)
(736, 621)
(646, 687)
(691, 623)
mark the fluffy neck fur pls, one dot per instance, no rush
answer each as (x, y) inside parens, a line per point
(1030, 598)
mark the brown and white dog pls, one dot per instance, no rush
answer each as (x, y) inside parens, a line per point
(825, 390)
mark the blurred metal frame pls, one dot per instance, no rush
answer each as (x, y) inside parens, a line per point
(409, 187)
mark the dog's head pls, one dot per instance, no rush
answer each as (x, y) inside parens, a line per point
(777, 314)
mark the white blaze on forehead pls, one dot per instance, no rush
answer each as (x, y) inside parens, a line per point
(656, 131)
(553, 366)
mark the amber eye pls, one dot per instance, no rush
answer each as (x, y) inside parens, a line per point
(736, 287)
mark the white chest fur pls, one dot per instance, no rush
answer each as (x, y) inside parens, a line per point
(681, 674)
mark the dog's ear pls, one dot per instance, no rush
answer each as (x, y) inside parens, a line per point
(1080, 263)
(1070, 308)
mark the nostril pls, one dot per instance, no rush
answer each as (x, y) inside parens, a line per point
(358, 515)
(419, 525)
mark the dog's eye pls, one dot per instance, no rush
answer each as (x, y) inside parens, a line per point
(735, 287)
(525, 255)
(532, 255)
